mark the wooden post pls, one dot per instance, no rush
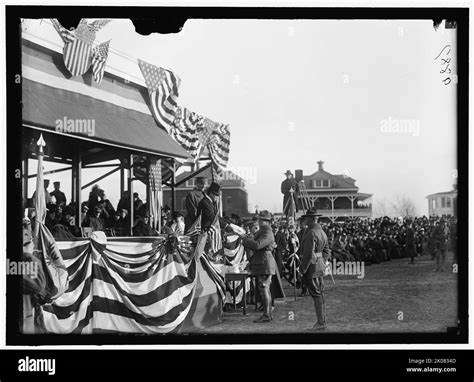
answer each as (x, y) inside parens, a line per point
(122, 178)
(73, 180)
(130, 190)
(352, 205)
(173, 181)
(147, 190)
(25, 176)
(77, 186)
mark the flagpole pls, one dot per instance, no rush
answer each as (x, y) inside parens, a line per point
(40, 197)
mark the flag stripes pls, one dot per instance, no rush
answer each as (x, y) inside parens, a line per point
(99, 58)
(215, 237)
(126, 287)
(185, 130)
(219, 145)
(163, 89)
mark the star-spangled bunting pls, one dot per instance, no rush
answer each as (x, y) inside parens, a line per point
(163, 86)
(99, 58)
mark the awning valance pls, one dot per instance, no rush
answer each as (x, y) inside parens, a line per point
(44, 106)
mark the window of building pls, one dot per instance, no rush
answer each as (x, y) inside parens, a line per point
(228, 202)
(321, 183)
(443, 202)
(433, 203)
(190, 182)
(448, 202)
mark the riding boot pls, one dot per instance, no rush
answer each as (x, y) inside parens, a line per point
(320, 310)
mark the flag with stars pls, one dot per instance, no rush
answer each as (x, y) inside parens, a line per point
(163, 88)
(99, 57)
(77, 54)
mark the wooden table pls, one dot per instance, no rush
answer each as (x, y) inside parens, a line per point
(238, 277)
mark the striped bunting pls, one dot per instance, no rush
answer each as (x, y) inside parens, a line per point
(185, 130)
(163, 86)
(235, 255)
(125, 287)
(219, 145)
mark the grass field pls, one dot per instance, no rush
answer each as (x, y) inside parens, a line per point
(393, 297)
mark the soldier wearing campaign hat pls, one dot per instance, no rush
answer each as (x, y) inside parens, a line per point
(314, 253)
(262, 262)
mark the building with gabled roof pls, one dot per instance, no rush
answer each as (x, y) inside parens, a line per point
(336, 197)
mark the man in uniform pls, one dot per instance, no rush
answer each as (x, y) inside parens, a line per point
(262, 262)
(440, 238)
(289, 187)
(58, 194)
(207, 207)
(315, 253)
(192, 201)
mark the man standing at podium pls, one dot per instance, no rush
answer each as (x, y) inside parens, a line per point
(289, 189)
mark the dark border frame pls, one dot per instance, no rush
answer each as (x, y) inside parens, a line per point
(13, 207)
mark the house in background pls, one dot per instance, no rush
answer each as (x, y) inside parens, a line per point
(336, 197)
(443, 203)
(234, 194)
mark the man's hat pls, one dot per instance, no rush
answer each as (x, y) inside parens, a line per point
(311, 213)
(214, 188)
(288, 172)
(265, 215)
(57, 182)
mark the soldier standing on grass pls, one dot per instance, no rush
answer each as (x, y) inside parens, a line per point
(315, 252)
(440, 238)
(262, 262)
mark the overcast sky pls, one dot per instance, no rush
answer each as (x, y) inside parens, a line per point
(295, 92)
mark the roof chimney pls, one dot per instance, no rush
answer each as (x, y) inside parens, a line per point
(320, 165)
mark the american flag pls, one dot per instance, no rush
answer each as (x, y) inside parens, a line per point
(154, 181)
(67, 36)
(219, 145)
(99, 57)
(215, 237)
(163, 88)
(217, 172)
(185, 130)
(154, 174)
(77, 54)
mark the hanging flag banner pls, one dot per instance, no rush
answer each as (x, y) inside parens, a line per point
(219, 146)
(163, 86)
(99, 58)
